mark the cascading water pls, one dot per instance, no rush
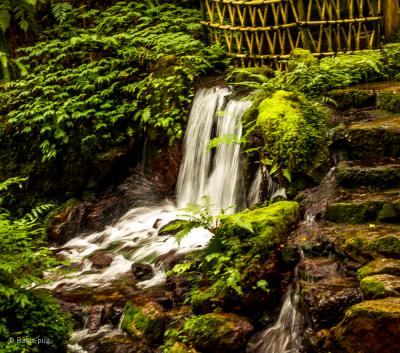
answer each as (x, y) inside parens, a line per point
(285, 335)
(202, 173)
(135, 237)
(273, 189)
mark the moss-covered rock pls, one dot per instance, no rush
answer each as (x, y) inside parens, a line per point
(380, 286)
(218, 332)
(384, 173)
(372, 326)
(293, 131)
(365, 206)
(144, 321)
(389, 101)
(357, 98)
(363, 242)
(372, 139)
(302, 56)
(380, 266)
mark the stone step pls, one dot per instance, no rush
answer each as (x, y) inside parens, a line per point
(383, 173)
(362, 206)
(363, 242)
(375, 138)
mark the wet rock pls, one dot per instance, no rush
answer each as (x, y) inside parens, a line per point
(144, 321)
(372, 139)
(380, 266)
(380, 286)
(384, 173)
(315, 269)
(101, 259)
(364, 242)
(68, 223)
(365, 206)
(218, 332)
(372, 326)
(170, 259)
(76, 312)
(142, 272)
(102, 212)
(119, 342)
(327, 300)
(355, 98)
(95, 318)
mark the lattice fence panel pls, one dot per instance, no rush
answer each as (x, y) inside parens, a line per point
(257, 32)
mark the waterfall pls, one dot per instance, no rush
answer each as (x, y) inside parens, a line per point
(285, 335)
(135, 238)
(217, 174)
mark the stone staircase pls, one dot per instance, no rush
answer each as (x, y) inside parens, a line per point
(356, 309)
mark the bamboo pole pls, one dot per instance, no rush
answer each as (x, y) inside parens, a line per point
(391, 18)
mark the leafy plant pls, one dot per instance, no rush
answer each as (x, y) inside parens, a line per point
(23, 310)
(105, 79)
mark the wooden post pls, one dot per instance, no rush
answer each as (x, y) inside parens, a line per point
(391, 18)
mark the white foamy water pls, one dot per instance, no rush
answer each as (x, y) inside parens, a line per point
(135, 237)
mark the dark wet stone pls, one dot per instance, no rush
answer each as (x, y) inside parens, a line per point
(95, 317)
(101, 259)
(327, 300)
(142, 272)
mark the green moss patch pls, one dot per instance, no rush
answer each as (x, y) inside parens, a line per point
(380, 286)
(218, 332)
(380, 266)
(146, 321)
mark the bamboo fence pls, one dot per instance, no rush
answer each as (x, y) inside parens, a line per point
(262, 32)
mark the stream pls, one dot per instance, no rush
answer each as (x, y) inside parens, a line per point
(134, 240)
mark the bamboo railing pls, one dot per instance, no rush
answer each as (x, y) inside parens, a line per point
(264, 31)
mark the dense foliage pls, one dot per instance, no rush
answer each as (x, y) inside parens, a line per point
(105, 78)
(231, 265)
(26, 314)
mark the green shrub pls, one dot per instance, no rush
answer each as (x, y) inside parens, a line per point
(25, 312)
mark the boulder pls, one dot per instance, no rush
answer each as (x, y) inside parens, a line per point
(142, 272)
(218, 332)
(101, 259)
(372, 326)
(380, 266)
(327, 300)
(380, 286)
(180, 347)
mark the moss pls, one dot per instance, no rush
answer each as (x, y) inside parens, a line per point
(379, 286)
(346, 98)
(372, 288)
(380, 266)
(217, 332)
(251, 74)
(387, 245)
(293, 130)
(389, 101)
(268, 223)
(347, 212)
(357, 212)
(382, 174)
(145, 321)
(302, 56)
(180, 347)
(377, 322)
